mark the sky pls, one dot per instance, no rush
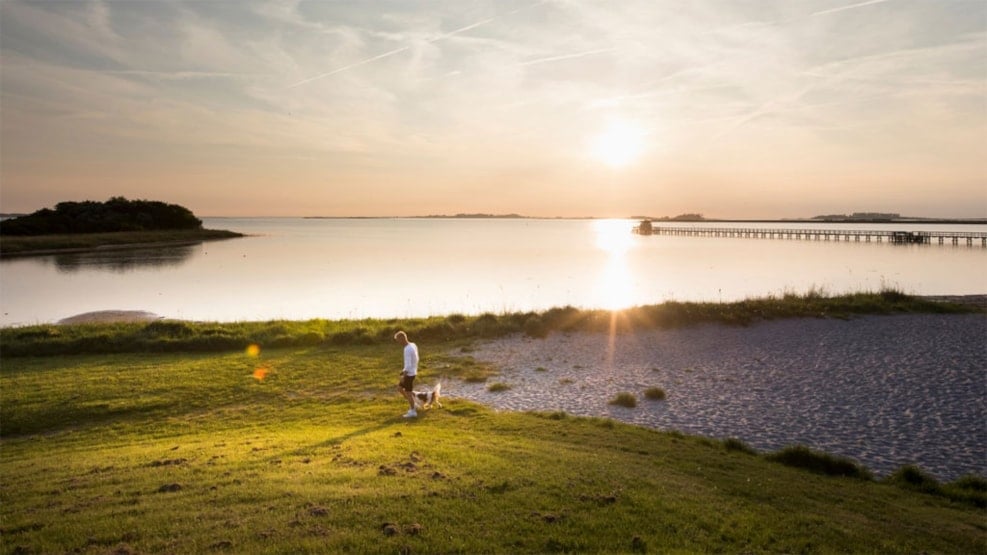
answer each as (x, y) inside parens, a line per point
(555, 108)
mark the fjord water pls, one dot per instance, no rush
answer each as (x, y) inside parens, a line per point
(295, 268)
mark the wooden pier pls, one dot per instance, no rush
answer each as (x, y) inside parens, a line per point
(969, 238)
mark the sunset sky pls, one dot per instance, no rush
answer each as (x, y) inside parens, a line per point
(729, 108)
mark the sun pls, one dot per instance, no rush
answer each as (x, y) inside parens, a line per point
(619, 144)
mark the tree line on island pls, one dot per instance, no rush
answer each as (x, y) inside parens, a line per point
(116, 214)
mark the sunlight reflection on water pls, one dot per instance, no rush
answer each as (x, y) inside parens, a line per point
(293, 268)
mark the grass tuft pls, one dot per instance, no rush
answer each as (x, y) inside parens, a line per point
(498, 386)
(968, 489)
(655, 394)
(624, 399)
(914, 478)
(800, 456)
(733, 444)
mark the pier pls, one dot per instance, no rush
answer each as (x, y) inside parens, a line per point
(969, 238)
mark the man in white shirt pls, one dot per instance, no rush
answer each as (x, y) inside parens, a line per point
(406, 385)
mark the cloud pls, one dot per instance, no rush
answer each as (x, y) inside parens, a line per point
(392, 52)
(468, 95)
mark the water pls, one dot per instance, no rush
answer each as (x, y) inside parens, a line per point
(355, 268)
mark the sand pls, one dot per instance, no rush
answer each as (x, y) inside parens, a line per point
(110, 317)
(883, 390)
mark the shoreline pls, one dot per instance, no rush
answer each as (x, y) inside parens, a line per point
(121, 316)
(15, 246)
(884, 390)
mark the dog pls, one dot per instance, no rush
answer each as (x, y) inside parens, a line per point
(429, 398)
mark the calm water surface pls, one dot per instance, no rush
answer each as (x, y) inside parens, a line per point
(345, 268)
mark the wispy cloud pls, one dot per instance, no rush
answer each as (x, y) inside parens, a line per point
(398, 93)
(391, 53)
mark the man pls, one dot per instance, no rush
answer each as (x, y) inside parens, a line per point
(406, 385)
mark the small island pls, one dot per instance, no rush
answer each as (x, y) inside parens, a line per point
(117, 223)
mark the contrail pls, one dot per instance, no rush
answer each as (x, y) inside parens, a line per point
(566, 56)
(850, 7)
(390, 53)
(350, 66)
(765, 108)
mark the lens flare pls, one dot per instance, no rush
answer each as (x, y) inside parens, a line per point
(253, 350)
(260, 374)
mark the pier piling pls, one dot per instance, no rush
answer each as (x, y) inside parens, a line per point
(970, 238)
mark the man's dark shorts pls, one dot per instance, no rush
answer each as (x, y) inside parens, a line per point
(407, 382)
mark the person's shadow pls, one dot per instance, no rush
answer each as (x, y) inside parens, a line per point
(339, 440)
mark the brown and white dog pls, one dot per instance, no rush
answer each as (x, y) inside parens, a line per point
(429, 398)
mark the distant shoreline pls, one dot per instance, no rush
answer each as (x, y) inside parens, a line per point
(919, 221)
(133, 316)
(41, 245)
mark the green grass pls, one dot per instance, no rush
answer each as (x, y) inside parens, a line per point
(190, 453)
(44, 244)
(180, 336)
(166, 438)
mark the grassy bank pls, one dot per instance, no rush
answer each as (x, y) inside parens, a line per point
(14, 245)
(192, 453)
(176, 336)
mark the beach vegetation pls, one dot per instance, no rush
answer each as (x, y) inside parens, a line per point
(800, 456)
(734, 444)
(535, 326)
(655, 394)
(970, 489)
(915, 478)
(624, 399)
(167, 336)
(191, 452)
(967, 489)
(498, 387)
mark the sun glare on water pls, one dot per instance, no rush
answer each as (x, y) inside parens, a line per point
(616, 290)
(613, 236)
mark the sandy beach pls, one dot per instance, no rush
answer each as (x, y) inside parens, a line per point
(110, 317)
(883, 390)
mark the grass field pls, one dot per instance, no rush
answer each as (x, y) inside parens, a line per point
(142, 452)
